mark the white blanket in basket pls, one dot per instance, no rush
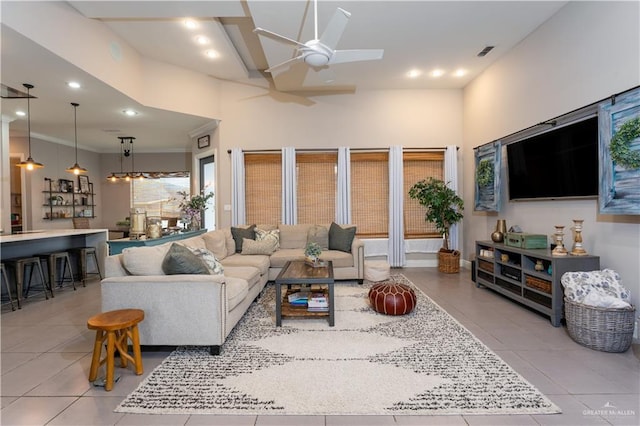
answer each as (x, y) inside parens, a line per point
(601, 289)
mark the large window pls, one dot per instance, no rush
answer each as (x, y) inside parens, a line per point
(263, 187)
(416, 167)
(316, 181)
(370, 193)
(159, 196)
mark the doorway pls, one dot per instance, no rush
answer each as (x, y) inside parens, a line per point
(207, 185)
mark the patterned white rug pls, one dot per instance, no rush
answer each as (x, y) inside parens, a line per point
(423, 363)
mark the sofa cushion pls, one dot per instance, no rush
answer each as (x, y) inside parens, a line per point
(144, 260)
(209, 259)
(248, 273)
(320, 235)
(230, 242)
(341, 238)
(180, 260)
(340, 259)
(240, 233)
(271, 234)
(193, 242)
(216, 242)
(293, 236)
(237, 291)
(282, 256)
(256, 260)
(265, 247)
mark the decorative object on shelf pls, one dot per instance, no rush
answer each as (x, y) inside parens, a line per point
(154, 227)
(444, 208)
(138, 218)
(577, 249)
(539, 265)
(497, 236)
(204, 141)
(192, 207)
(488, 159)
(312, 253)
(29, 163)
(83, 184)
(76, 169)
(504, 257)
(559, 250)
(619, 153)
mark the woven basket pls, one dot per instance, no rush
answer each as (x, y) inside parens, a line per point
(538, 283)
(449, 261)
(602, 329)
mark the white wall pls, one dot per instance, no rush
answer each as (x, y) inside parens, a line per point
(586, 52)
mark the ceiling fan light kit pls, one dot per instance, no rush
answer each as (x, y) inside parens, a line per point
(320, 52)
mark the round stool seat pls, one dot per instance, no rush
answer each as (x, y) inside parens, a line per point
(376, 270)
(392, 298)
(115, 320)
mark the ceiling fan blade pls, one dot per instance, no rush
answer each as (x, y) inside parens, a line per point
(335, 28)
(278, 37)
(319, 77)
(343, 56)
(285, 63)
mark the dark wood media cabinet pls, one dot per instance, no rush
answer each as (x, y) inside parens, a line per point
(511, 271)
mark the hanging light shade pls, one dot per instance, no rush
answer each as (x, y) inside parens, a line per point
(30, 163)
(76, 169)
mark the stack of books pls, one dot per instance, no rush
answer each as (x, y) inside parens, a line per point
(318, 302)
(299, 298)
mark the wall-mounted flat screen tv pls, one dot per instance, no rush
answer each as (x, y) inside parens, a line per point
(561, 163)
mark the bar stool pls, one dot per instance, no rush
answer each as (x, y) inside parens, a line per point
(82, 253)
(6, 281)
(52, 265)
(117, 328)
(22, 265)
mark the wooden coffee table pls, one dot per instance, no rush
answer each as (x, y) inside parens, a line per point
(298, 272)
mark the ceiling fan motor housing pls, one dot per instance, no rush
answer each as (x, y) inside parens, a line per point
(316, 54)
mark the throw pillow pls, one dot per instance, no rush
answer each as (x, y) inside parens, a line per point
(241, 233)
(273, 235)
(341, 238)
(217, 243)
(265, 247)
(319, 235)
(180, 260)
(210, 260)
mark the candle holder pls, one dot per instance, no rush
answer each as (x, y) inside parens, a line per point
(577, 249)
(559, 250)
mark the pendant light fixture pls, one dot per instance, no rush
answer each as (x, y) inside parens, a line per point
(76, 169)
(29, 164)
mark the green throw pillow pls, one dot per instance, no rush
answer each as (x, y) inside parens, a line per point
(240, 233)
(180, 260)
(341, 238)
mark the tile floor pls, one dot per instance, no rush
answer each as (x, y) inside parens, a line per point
(46, 353)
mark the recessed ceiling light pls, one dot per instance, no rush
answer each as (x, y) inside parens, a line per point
(459, 72)
(212, 54)
(202, 39)
(21, 113)
(73, 84)
(414, 73)
(190, 24)
(437, 73)
(129, 112)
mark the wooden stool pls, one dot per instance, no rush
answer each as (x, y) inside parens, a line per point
(117, 328)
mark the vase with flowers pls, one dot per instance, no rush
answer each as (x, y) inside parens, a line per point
(192, 207)
(312, 253)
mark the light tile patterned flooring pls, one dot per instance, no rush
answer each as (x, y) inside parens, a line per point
(46, 353)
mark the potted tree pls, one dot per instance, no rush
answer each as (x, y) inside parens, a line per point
(444, 208)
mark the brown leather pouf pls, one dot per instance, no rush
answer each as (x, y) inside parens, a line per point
(392, 298)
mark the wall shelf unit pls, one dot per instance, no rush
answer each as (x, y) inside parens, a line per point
(529, 276)
(65, 203)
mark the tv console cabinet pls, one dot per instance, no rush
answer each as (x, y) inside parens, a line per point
(529, 276)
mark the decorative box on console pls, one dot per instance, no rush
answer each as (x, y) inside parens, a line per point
(526, 241)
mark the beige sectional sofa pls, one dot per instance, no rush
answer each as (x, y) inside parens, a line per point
(201, 310)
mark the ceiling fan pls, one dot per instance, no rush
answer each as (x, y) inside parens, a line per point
(320, 52)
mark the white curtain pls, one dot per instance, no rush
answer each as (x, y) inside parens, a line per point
(238, 212)
(289, 203)
(396, 200)
(343, 201)
(451, 177)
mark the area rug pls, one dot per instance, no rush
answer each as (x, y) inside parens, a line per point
(423, 363)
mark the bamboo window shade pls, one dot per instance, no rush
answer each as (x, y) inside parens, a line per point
(370, 193)
(263, 187)
(416, 167)
(316, 197)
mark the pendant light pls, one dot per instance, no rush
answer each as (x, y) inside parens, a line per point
(76, 169)
(29, 164)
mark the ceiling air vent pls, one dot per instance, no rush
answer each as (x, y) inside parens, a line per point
(484, 51)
